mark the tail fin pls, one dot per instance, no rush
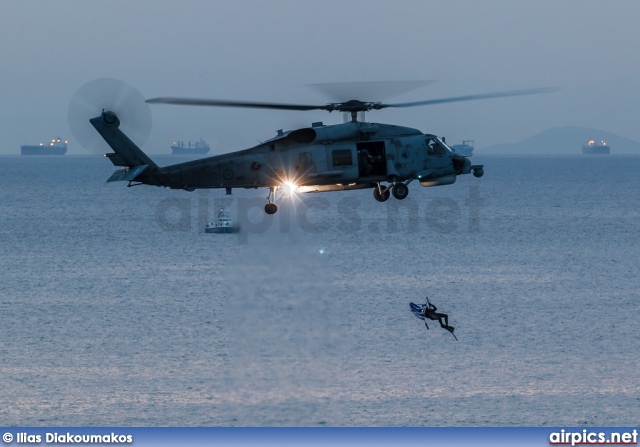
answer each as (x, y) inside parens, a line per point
(126, 153)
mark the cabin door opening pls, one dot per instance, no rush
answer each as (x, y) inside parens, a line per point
(372, 159)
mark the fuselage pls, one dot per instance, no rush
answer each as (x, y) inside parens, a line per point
(341, 156)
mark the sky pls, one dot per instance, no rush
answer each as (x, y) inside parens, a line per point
(273, 50)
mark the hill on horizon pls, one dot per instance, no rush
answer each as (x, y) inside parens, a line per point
(565, 141)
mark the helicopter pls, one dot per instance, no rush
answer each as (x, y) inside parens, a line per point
(349, 156)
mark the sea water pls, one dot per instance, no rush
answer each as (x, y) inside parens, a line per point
(118, 309)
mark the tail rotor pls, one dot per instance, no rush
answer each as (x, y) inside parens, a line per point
(108, 94)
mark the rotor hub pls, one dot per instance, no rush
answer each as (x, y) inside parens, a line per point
(352, 106)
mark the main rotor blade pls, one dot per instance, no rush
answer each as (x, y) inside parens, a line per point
(226, 103)
(347, 106)
(531, 91)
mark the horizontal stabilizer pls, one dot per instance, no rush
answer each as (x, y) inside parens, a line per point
(130, 174)
(117, 159)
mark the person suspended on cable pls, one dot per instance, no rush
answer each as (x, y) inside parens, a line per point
(428, 311)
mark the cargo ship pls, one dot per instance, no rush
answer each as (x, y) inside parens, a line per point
(465, 149)
(197, 148)
(592, 147)
(55, 147)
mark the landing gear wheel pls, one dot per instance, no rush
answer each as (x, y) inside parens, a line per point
(271, 208)
(381, 197)
(400, 191)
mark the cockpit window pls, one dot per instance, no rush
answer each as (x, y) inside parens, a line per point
(436, 147)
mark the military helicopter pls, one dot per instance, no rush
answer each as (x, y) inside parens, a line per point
(348, 156)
